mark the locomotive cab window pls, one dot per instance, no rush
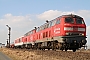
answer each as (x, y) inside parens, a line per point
(69, 20)
(79, 21)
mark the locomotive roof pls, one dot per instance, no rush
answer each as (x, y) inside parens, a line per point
(71, 15)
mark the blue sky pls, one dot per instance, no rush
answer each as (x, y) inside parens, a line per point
(23, 15)
(17, 7)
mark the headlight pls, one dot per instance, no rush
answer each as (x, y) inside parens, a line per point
(67, 33)
(81, 34)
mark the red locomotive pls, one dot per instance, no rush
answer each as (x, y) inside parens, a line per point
(64, 32)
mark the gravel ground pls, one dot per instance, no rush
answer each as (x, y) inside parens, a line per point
(21, 54)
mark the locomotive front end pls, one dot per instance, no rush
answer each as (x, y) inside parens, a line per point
(74, 32)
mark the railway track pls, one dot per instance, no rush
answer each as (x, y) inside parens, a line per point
(68, 55)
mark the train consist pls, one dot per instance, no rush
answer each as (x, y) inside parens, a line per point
(67, 32)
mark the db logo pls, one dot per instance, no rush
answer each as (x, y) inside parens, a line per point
(57, 30)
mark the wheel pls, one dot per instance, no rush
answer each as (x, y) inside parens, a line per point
(48, 48)
(39, 48)
(62, 48)
(74, 50)
(65, 49)
(43, 48)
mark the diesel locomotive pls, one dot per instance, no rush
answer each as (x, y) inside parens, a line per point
(66, 32)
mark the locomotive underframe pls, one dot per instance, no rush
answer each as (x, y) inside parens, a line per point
(61, 43)
(73, 40)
